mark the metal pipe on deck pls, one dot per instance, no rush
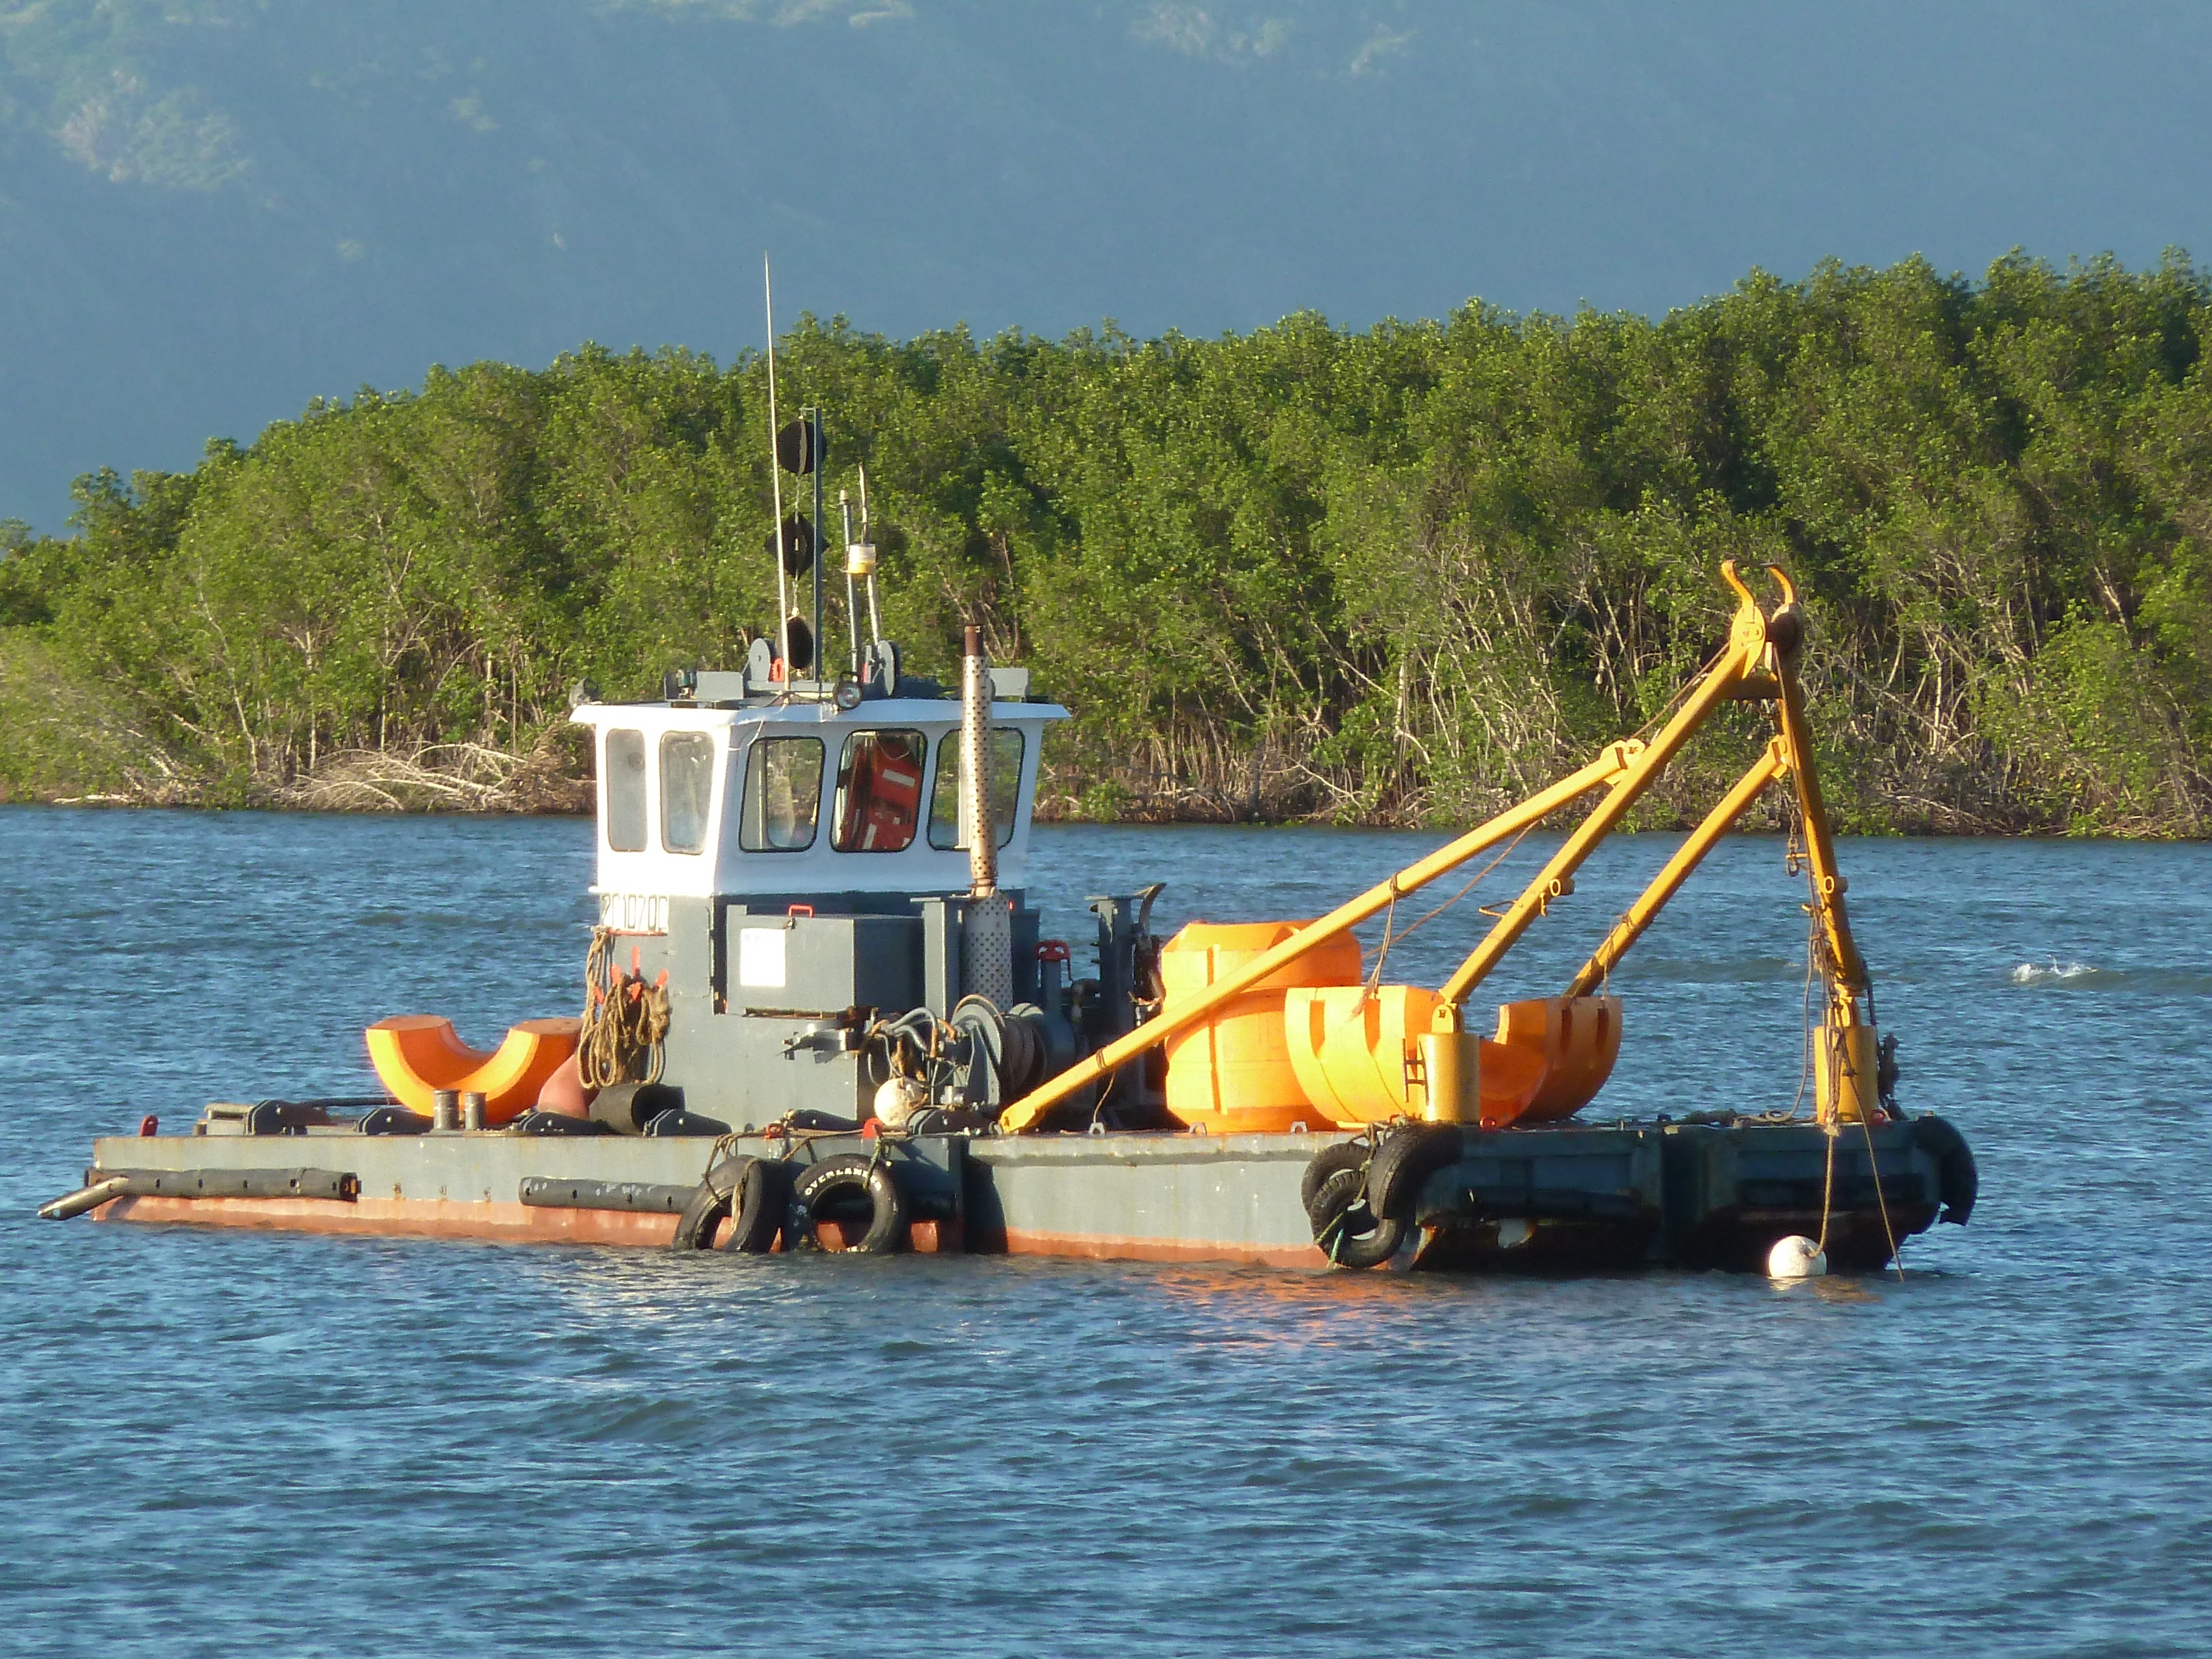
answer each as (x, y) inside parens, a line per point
(85, 1198)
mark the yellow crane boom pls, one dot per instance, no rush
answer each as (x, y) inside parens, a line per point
(1760, 661)
(1616, 759)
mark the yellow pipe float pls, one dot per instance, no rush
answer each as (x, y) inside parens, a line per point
(1616, 759)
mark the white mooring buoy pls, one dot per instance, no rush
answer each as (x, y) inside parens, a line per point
(1797, 1257)
(899, 1099)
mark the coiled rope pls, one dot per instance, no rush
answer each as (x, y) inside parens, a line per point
(625, 1019)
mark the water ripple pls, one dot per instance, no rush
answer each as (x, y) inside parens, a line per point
(227, 1441)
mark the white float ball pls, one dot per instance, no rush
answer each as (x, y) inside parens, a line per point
(1797, 1257)
(898, 1100)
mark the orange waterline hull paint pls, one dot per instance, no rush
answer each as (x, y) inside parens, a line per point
(448, 1218)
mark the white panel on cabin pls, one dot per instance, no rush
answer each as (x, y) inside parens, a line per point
(760, 957)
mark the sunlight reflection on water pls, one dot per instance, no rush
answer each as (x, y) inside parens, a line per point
(316, 1445)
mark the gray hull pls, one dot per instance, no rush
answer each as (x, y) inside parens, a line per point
(1573, 1195)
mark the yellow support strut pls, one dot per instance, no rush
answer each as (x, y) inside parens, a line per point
(1617, 759)
(1744, 652)
(1691, 853)
(1846, 1060)
(1820, 841)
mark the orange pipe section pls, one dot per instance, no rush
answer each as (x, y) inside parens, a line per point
(1615, 760)
(417, 1054)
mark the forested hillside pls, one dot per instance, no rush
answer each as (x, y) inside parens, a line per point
(1390, 576)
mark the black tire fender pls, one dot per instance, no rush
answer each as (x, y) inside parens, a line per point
(709, 1205)
(757, 1207)
(1403, 1164)
(1348, 1232)
(846, 1183)
(1345, 1155)
(1958, 1182)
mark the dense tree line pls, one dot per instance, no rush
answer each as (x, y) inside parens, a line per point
(1393, 575)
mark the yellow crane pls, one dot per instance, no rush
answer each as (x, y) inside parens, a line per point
(1577, 1034)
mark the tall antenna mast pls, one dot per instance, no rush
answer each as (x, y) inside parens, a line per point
(816, 454)
(775, 479)
(875, 622)
(852, 594)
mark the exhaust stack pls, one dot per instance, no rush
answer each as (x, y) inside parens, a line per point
(987, 956)
(976, 827)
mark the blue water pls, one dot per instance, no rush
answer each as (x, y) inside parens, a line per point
(219, 1443)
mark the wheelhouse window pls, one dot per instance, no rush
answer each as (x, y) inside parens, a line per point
(1005, 787)
(687, 790)
(626, 791)
(783, 795)
(880, 792)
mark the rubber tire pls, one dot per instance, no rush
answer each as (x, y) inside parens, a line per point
(841, 1174)
(709, 1206)
(1404, 1162)
(757, 1207)
(1959, 1182)
(1345, 1155)
(1343, 1191)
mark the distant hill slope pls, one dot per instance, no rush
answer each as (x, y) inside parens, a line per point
(211, 211)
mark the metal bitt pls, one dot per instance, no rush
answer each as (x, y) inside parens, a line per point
(1451, 1076)
(986, 955)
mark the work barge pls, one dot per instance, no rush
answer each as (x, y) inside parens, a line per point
(820, 1014)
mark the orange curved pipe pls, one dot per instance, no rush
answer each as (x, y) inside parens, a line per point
(417, 1054)
(1511, 1079)
(1573, 1042)
(1348, 1047)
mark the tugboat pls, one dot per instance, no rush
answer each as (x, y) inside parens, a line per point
(820, 1013)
